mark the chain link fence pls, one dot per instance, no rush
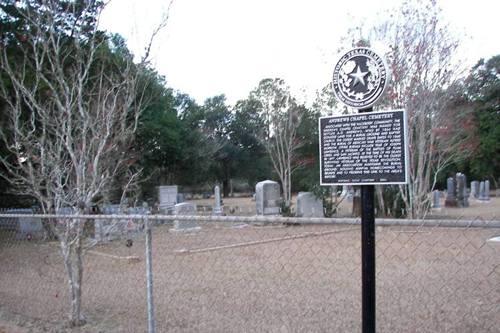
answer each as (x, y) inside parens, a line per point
(237, 273)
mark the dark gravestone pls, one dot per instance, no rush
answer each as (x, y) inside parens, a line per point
(461, 190)
(180, 198)
(451, 200)
(466, 192)
(436, 197)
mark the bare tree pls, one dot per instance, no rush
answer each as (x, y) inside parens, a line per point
(422, 58)
(72, 99)
(282, 117)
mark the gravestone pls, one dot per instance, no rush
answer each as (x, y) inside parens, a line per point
(267, 198)
(30, 227)
(474, 189)
(217, 206)
(482, 196)
(460, 189)
(462, 195)
(451, 200)
(343, 194)
(436, 199)
(118, 228)
(180, 198)
(25, 227)
(466, 192)
(309, 206)
(350, 193)
(185, 208)
(167, 198)
(486, 190)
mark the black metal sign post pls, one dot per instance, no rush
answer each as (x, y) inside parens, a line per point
(362, 150)
(368, 255)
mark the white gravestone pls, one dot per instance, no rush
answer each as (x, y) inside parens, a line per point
(111, 229)
(167, 197)
(474, 189)
(185, 208)
(309, 206)
(267, 198)
(350, 193)
(344, 192)
(217, 206)
(482, 195)
(487, 190)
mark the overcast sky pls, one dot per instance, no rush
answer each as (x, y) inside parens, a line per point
(228, 46)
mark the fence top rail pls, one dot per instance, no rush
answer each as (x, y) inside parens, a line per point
(462, 222)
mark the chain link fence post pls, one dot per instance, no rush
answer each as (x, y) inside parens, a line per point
(149, 276)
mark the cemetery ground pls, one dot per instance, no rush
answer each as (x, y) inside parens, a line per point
(269, 278)
(476, 210)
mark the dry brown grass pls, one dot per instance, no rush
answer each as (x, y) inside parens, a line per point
(307, 279)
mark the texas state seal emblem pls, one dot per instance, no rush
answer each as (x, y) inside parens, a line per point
(360, 78)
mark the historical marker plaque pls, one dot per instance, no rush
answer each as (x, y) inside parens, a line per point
(363, 149)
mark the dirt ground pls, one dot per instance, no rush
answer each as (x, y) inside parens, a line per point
(241, 278)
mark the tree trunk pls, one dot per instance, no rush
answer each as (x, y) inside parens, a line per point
(73, 262)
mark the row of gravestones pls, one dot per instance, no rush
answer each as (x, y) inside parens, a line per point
(267, 202)
(103, 229)
(267, 198)
(457, 194)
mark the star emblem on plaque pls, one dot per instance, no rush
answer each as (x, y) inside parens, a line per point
(360, 78)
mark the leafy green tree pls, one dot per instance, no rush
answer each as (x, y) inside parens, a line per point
(251, 162)
(282, 116)
(306, 178)
(172, 139)
(483, 87)
(216, 127)
(159, 138)
(197, 147)
(474, 111)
